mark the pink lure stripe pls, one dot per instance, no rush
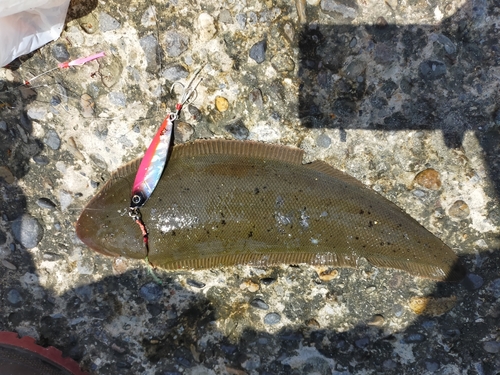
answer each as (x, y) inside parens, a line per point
(153, 162)
(81, 60)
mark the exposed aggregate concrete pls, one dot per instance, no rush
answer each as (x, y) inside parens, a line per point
(402, 95)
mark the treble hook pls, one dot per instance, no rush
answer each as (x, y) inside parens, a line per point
(188, 92)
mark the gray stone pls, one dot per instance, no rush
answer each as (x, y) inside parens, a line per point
(41, 159)
(52, 140)
(117, 98)
(492, 347)
(174, 73)
(413, 338)
(473, 281)
(107, 23)
(14, 297)
(195, 283)
(60, 52)
(432, 70)
(353, 43)
(27, 231)
(149, 17)
(225, 16)
(3, 125)
(241, 20)
(45, 203)
(175, 43)
(338, 8)
(389, 364)
(448, 45)
(3, 237)
(323, 140)
(37, 113)
(362, 342)
(259, 304)
(256, 99)
(282, 63)
(151, 48)
(237, 129)
(272, 318)
(494, 288)
(252, 18)
(258, 51)
(431, 366)
(151, 292)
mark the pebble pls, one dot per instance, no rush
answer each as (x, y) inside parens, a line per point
(323, 140)
(459, 210)
(37, 113)
(148, 18)
(256, 99)
(326, 273)
(3, 126)
(272, 318)
(195, 283)
(241, 20)
(206, 27)
(27, 231)
(473, 281)
(65, 199)
(176, 43)
(413, 338)
(431, 366)
(494, 288)
(89, 23)
(117, 98)
(448, 45)
(6, 174)
(107, 23)
(87, 105)
(389, 364)
(175, 73)
(355, 69)
(492, 347)
(151, 48)
(376, 321)
(384, 54)
(183, 132)
(221, 104)
(258, 51)
(151, 292)
(41, 159)
(432, 70)
(251, 18)
(225, 16)
(8, 265)
(52, 140)
(259, 304)
(432, 306)
(282, 63)
(362, 342)
(45, 203)
(238, 130)
(14, 297)
(428, 179)
(60, 52)
(268, 280)
(334, 8)
(99, 161)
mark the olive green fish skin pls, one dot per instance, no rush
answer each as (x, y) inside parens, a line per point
(217, 210)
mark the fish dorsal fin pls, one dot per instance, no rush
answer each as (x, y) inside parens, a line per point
(239, 148)
(325, 168)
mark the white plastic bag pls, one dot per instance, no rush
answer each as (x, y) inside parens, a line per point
(26, 25)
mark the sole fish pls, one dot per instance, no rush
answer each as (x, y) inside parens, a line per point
(222, 203)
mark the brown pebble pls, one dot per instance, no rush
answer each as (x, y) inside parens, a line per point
(154, 342)
(249, 285)
(376, 321)
(117, 348)
(432, 306)
(428, 179)
(120, 265)
(87, 104)
(73, 148)
(326, 273)
(459, 210)
(8, 265)
(312, 323)
(6, 174)
(221, 104)
(381, 22)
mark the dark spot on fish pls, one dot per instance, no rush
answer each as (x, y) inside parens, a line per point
(356, 237)
(223, 222)
(173, 233)
(361, 212)
(250, 234)
(370, 224)
(256, 191)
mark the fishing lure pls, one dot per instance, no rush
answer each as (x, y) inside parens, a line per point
(154, 160)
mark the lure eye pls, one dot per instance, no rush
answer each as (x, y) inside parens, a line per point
(137, 200)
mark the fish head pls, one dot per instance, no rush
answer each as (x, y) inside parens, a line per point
(105, 225)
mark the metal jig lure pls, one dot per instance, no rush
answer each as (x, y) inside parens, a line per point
(154, 160)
